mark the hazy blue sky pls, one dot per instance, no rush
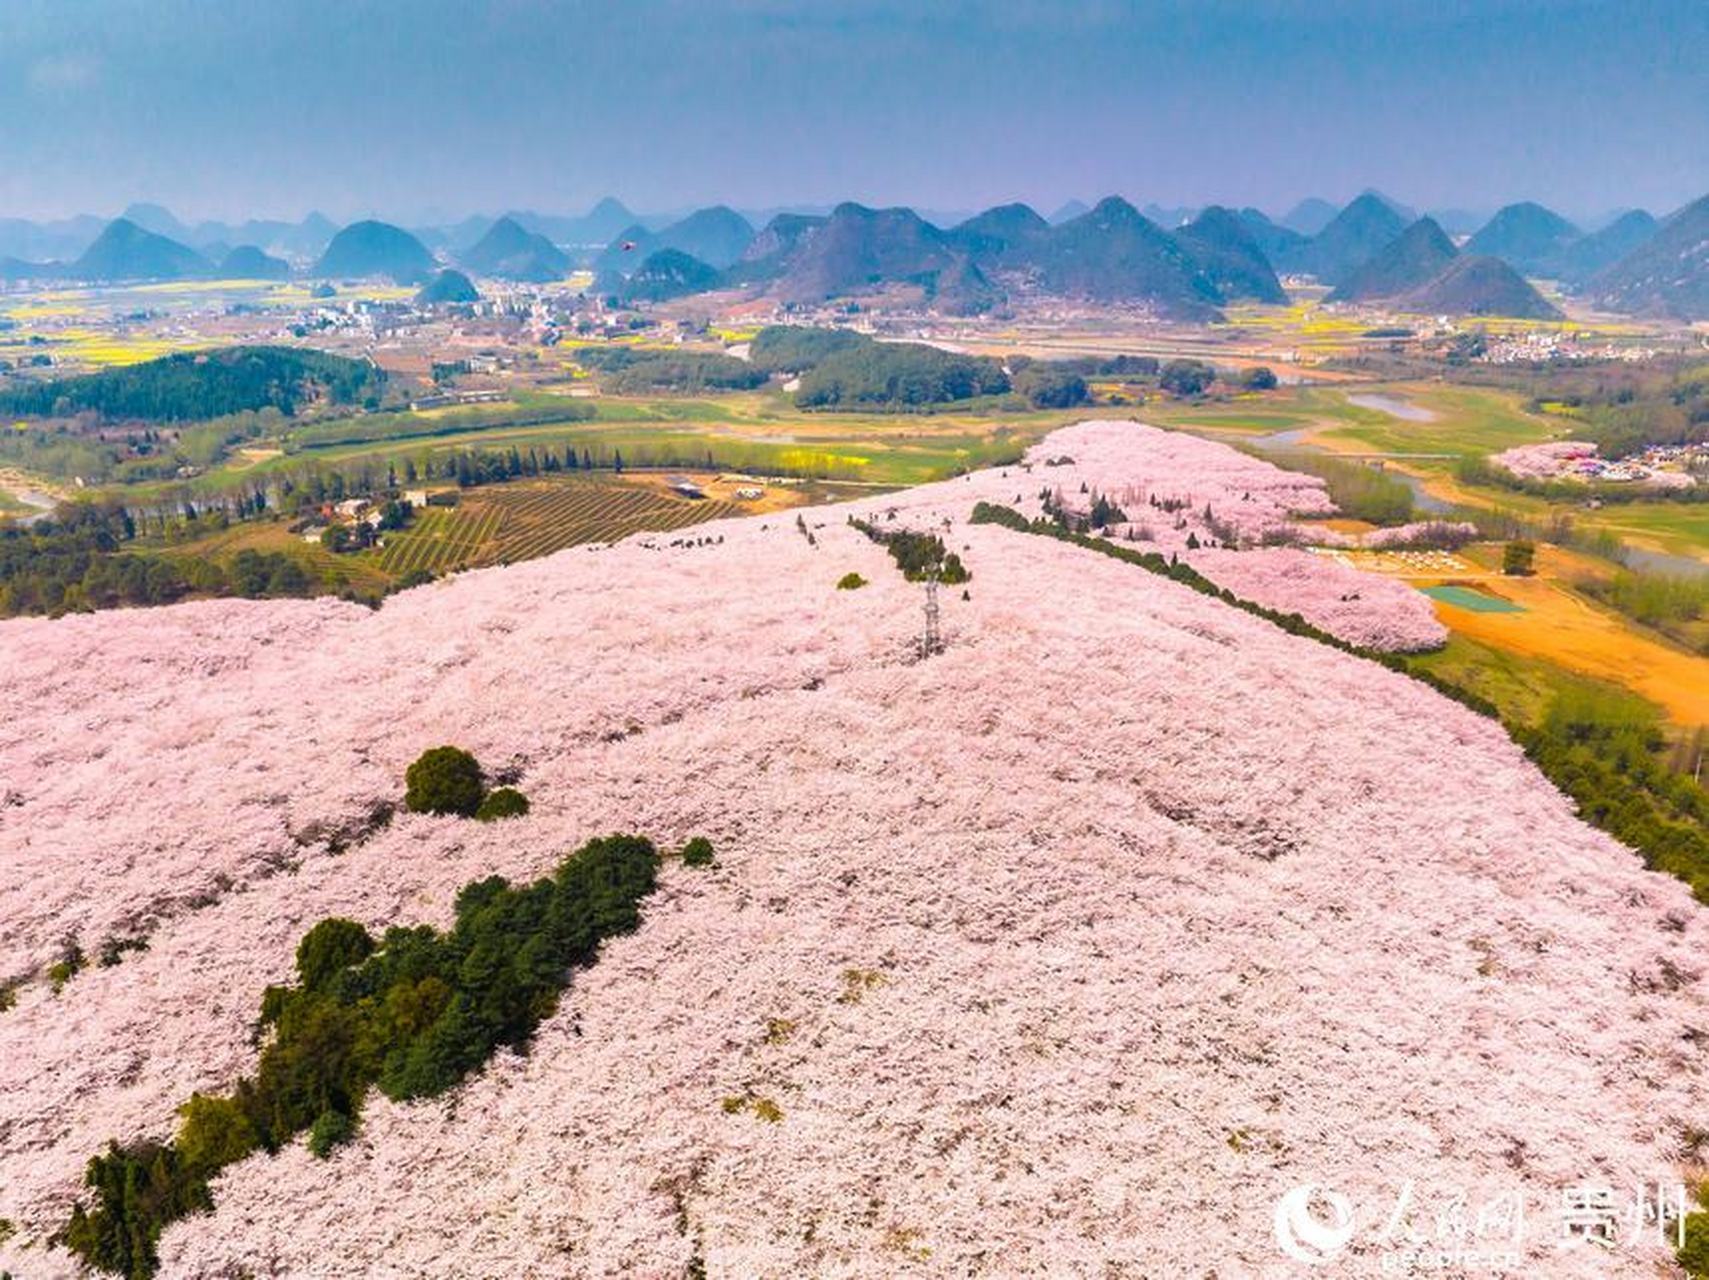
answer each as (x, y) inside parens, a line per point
(415, 108)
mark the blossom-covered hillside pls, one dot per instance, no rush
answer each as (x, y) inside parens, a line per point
(1065, 951)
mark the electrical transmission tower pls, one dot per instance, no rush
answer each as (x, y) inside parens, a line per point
(931, 639)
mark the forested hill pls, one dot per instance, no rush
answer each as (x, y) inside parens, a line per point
(194, 385)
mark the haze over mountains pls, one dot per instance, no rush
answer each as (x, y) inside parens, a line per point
(1667, 273)
(1421, 270)
(1181, 263)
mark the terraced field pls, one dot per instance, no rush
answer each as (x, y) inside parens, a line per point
(439, 539)
(504, 524)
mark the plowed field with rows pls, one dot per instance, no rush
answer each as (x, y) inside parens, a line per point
(512, 522)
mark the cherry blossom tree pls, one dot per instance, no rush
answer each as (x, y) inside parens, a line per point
(1066, 950)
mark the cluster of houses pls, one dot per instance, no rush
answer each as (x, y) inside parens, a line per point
(1540, 346)
(1669, 466)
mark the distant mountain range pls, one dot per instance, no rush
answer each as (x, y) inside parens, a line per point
(1225, 249)
(1409, 261)
(509, 251)
(1421, 270)
(247, 262)
(1578, 262)
(1479, 285)
(717, 236)
(1181, 263)
(1350, 239)
(669, 273)
(1667, 274)
(1111, 253)
(1526, 236)
(1309, 216)
(126, 251)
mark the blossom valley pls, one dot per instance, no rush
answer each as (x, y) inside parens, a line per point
(844, 641)
(1065, 946)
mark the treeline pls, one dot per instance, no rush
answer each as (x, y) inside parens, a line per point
(1670, 603)
(898, 376)
(80, 450)
(640, 371)
(1630, 418)
(1610, 764)
(791, 348)
(59, 452)
(75, 562)
(412, 1015)
(195, 385)
(1607, 761)
(842, 369)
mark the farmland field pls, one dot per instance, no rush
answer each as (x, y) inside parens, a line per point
(503, 524)
(438, 540)
(761, 434)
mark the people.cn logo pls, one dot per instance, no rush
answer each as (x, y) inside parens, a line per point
(1302, 1235)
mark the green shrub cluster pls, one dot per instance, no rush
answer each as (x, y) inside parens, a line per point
(449, 781)
(850, 581)
(1186, 377)
(898, 375)
(791, 348)
(1048, 385)
(1518, 558)
(502, 802)
(697, 852)
(444, 780)
(412, 1015)
(918, 555)
(839, 368)
(1693, 1254)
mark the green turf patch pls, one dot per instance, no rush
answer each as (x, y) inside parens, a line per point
(1468, 598)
